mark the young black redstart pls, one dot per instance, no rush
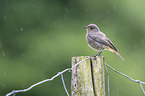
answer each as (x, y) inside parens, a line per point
(98, 41)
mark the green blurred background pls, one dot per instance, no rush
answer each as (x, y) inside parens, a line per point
(38, 38)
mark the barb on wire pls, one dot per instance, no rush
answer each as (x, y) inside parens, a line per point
(137, 81)
(46, 80)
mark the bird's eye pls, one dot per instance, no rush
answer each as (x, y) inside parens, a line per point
(90, 28)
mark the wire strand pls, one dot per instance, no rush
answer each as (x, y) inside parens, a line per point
(64, 84)
(107, 79)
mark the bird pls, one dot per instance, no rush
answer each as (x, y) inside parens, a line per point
(98, 41)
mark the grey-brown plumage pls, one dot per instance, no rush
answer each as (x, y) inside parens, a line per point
(98, 41)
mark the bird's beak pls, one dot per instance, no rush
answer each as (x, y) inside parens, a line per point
(85, 26)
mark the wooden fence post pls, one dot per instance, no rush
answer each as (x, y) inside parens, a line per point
(88, 77)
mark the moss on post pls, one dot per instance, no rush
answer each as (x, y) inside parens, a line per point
(98, 76)
(88, 77)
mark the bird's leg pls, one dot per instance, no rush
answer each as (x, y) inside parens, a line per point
(98, 54)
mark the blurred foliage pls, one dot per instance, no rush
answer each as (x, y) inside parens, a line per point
(39, 37)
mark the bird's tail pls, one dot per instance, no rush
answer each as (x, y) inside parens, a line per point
(118, 55)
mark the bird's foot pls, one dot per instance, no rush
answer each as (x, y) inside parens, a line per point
(94, 56)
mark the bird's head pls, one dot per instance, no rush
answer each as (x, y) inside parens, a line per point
(92, 28)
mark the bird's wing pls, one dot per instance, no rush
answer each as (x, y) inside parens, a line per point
(112, 45)
(103, 40)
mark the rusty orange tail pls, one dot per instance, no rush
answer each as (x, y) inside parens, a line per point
(118, 54)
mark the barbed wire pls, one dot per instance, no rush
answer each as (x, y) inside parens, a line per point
(46, 80)
(137, 81)
(69, 69)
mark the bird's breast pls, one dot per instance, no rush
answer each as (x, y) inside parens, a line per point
(92, 43)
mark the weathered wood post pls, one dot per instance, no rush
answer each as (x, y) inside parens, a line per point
(88, 77)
